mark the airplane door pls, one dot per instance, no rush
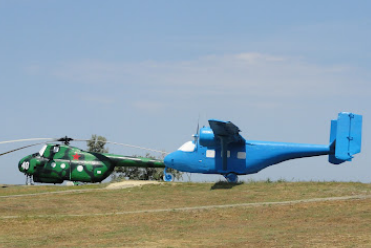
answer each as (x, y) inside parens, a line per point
(206, 161)
(236, 160)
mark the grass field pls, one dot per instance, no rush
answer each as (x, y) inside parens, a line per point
(91, 216)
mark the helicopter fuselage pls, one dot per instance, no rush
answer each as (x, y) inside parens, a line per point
(56, 163)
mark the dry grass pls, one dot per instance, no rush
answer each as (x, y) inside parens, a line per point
(321, 224)
(23, 189)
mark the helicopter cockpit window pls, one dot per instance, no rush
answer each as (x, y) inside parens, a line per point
(188, 147)
(41, 152)
(56, 148)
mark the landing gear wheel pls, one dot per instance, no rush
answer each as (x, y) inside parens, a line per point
(29, 180)
(168, 177)
(231, 178)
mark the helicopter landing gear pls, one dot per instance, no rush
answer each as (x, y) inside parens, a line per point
(29, 180)
(168, 177)
(231, 178)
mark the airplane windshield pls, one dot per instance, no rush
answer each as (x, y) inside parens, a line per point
(188, 147)
(41, 152)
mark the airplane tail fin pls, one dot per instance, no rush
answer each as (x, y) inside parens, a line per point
(345, 137)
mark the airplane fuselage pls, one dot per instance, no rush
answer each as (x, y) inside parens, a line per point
(249, 158)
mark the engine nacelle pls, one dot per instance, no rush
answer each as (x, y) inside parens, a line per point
(207, 137)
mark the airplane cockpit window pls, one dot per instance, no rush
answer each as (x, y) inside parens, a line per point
(188, 147)
(41, 152)
(210, 153)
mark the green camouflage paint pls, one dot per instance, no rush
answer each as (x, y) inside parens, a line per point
(57, 163)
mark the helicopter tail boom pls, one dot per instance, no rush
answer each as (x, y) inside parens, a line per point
(345, 137)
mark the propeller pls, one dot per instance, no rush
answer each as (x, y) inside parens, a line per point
(196, 135)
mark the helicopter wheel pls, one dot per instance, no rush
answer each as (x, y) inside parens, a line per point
(29, 180)
(231, 178)
(168, 177)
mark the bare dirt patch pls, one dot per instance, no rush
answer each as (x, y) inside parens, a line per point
(130, 183)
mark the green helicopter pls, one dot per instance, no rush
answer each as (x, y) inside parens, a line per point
(55, 163)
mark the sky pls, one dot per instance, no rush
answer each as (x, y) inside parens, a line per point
(146, 72)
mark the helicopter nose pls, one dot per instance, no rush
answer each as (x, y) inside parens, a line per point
(25, 165)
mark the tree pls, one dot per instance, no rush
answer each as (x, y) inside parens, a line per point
(96, 144)
(143, 173)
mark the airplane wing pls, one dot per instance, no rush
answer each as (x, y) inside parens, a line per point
(226, 130)
(228, 133)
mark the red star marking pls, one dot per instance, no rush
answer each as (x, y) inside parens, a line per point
(76, 156)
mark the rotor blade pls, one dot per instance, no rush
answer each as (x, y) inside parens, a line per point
(21, 140)
(126, 145)
(20, 148)
(81, 139)
(137, 147)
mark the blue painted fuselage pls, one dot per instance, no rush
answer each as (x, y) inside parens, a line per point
(249, 158)
(220, 149)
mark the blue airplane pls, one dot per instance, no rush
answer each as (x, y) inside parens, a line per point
(220, 149)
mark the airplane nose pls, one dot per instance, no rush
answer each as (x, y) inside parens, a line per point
(169, 160)
(174, 160)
